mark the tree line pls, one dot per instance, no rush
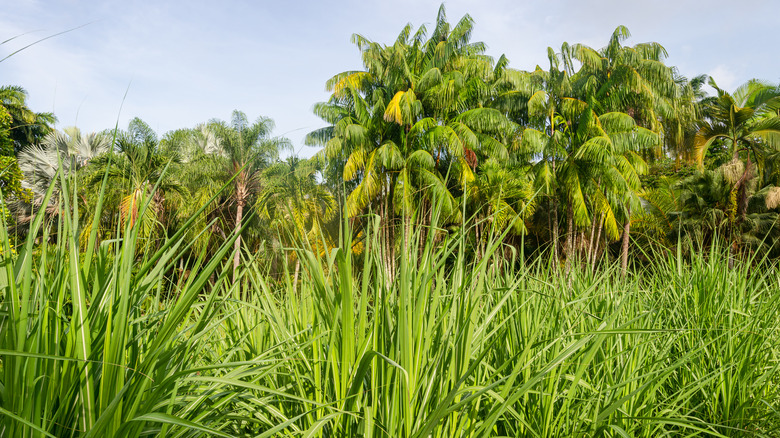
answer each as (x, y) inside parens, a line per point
(602, 155)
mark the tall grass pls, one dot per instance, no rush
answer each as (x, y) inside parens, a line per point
(107, 343)
(87, 343)
(457, 347)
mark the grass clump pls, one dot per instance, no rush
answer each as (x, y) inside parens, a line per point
(110, 342)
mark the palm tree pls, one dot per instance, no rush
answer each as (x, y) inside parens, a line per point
(699, 211)
(413, 125)
(10, 174)
(204, 171)
(25, 127)
(747, 123)
(680, 126)
(297, 206)
(631, 80)
(430, 125)
(593, 161)
(351, 160)
(615, 150)
(546, 136)
(69, 148)
(19, 128)
(244, 151)
(703, 208)
(137, 163)
(502, 196)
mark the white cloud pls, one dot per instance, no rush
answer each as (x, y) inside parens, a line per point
(725, 78)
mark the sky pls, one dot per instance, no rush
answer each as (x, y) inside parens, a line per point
(176, 64)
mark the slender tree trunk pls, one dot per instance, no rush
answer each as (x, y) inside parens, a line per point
(426, 213)
(555, 205)
(384, 228)
(738, 190)
(134, 207)
(598, 239)
(590, 240)
(733, 248)
(295, 276)
(485, 234)
(569, 230)
(432, 229)
(624, 254)
(237, 244)
(477, 242)
(741, 201)
(549, 222)
(569, 237)
(743, 196)
(556, 238)
(240, 202)
(159, 205)
(389, 213)
(391, 237)
(577, 244)
(407, 235)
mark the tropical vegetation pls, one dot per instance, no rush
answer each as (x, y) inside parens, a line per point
(586, 249)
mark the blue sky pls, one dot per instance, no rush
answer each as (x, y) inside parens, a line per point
(185, 62)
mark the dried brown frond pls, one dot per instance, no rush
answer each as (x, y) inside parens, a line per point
(773, 198)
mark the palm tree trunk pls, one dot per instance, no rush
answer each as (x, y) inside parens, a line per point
(390, 269)
(237, 244)
(240, 201)
(569, 237)
(477, 244)
(485, 236)
(743, 196)
(596, 247)
(732, 253)
(738, 188)
(741, 201)
(590, 240)
(549, 220)
(384, 233)
(624, 255)
(295, 276)
(407, 234)
(555, 230)
(159, 205)
(555, 210)
(424, 215)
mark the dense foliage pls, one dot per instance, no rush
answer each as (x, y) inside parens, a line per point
(571, 159)
(586, 249)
